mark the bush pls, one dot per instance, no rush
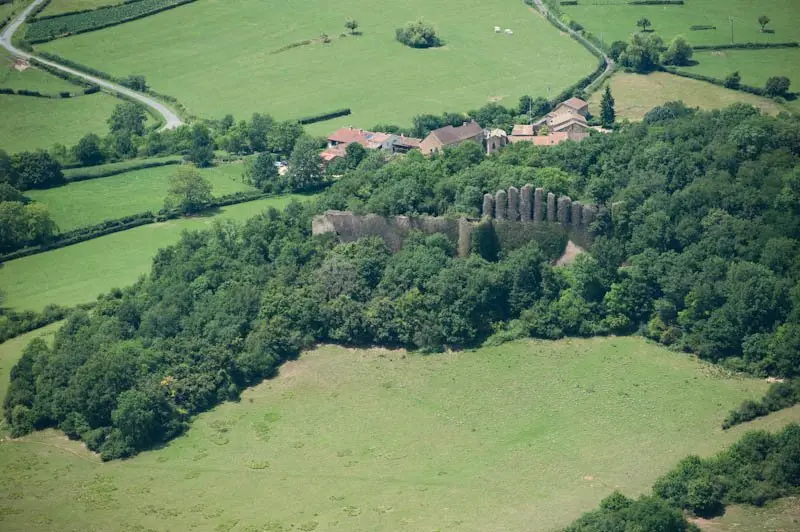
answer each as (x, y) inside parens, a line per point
(701, 27)
(418, 34)
(732, 81)
(777, 86)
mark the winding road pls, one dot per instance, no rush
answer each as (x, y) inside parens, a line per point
(171, 119)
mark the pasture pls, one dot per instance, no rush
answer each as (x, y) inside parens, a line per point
(755, 66)
(93, 201)
(78, 273)
(616, 20)
(57, 7)
(776, 516)
(525, 436)
(180, 51)
(32, 123)
(635, 94)
(31, 78)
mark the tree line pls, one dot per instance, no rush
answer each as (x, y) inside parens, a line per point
(697, 249)
(758, 468)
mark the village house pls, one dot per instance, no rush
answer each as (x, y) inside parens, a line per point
(451, 136)
(494, 139)
(566, 122)
(371, 140)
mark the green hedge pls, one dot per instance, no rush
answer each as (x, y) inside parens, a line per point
(13, 323)
(700, 27)
(108, 227)
(746, 46)
(323, 117)
(95, 172)
(716, 81)
(656, 2)
(779, 396)
(80, 11)
(47, 29)
(76, 80)
(38, 9)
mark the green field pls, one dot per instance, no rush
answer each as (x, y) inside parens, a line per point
(782, 515)
(616, 20)
(635, 94)
(78, 273)
(90, 202)
(31, 123)
(215, 57)
(521, 437)
(31, 78)
(755, 66)
(56, 7)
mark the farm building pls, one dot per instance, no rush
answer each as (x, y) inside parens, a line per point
(371, 140)
(451, 136)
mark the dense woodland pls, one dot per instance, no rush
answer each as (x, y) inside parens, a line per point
(697, 250)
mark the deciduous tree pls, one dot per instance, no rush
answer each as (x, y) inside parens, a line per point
(188, 190)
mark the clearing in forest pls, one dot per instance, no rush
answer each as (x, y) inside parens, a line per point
(525, 436)
(225, 57)
(635, 94)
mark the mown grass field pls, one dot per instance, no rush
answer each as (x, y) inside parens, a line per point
(616, 20)
(56, 7)
(30, 123)
(521, 437)
(635, 94)
(187, 53)
(93, 201)
(31, 78)
(78, 273)
(755, 66)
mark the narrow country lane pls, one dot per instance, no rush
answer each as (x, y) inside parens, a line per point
(171, 119)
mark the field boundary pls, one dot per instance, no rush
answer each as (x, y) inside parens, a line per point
(34, 24)
(76, 177)
(107, 227)
(604, 70)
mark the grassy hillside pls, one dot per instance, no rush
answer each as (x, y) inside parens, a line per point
(77, 274)
(635, 94)
(521, 437)
(616, 20)
(30, 123)
(181, 50)
(90, 202)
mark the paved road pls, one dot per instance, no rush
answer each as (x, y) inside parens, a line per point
(171, 119)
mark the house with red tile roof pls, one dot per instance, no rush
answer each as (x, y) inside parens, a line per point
(438, 139)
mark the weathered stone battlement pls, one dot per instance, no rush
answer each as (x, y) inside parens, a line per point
(515, 205)
(517, 215)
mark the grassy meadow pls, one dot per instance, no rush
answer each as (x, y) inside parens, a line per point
(782, 515)
(755, 66)
(616, 20)
(78, 273)
(57, 7)
(32, 123)
(31, 78)
(525, 436)
(90, 202)
(635, 94)
(182, 50)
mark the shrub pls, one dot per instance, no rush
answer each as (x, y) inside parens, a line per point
(777, 86)
(732, 80)
(701, 27)
(779, 396)
(418, 34)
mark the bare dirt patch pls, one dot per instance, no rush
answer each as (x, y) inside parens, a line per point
(571, 252)
(21, 65)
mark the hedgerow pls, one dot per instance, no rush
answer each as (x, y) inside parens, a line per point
(323, 117)
(94, 172)
(47, 29)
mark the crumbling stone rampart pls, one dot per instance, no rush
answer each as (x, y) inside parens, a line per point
(518, 208)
